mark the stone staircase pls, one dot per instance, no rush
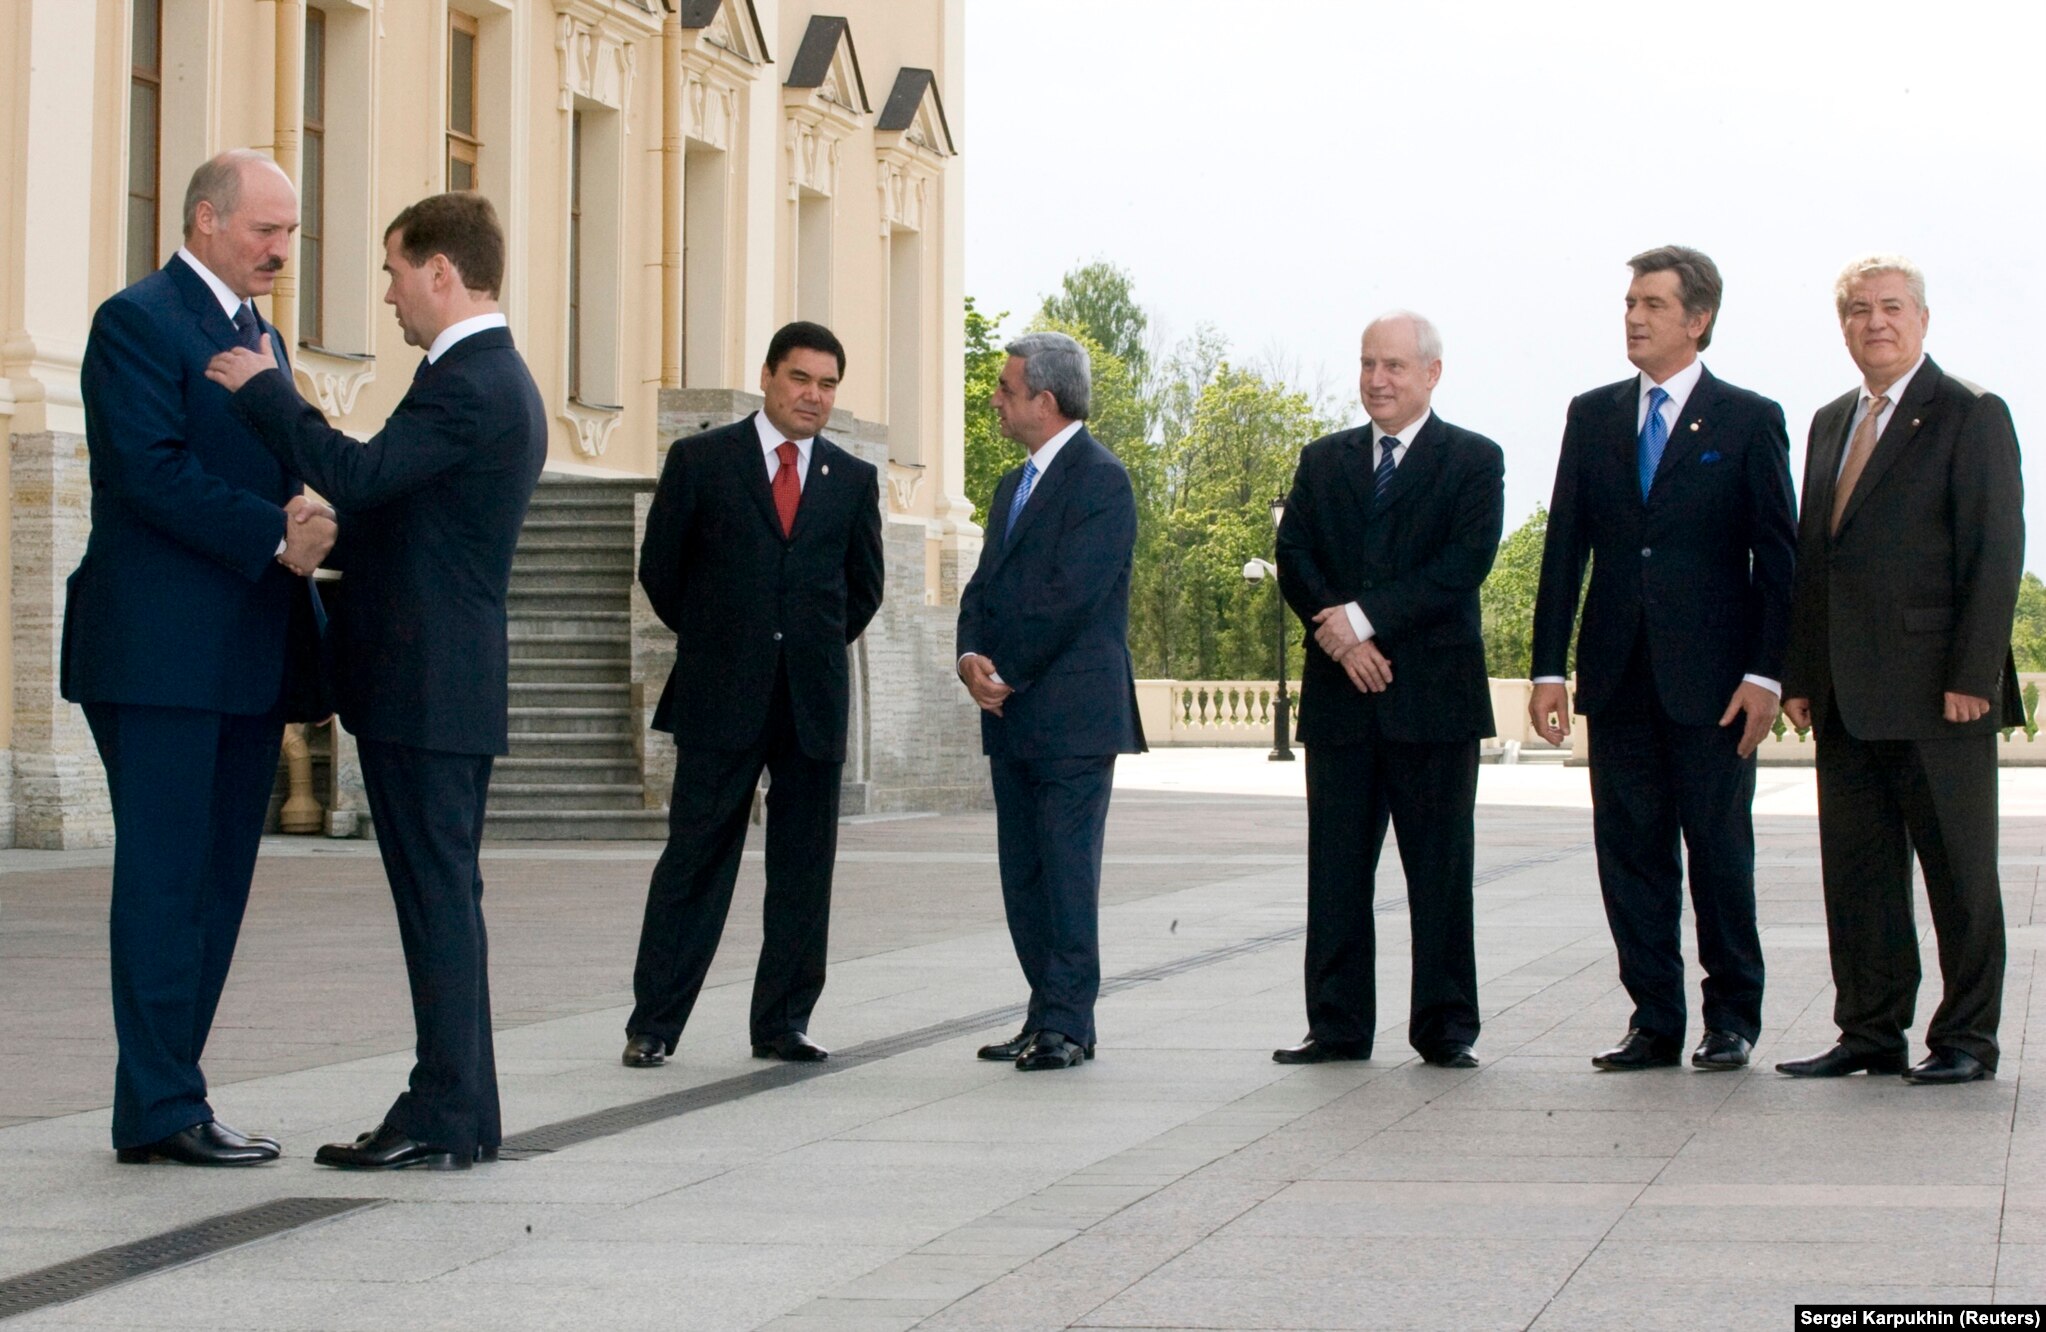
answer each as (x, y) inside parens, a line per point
(574, 767)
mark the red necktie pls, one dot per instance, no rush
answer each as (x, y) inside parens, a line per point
(787, 488)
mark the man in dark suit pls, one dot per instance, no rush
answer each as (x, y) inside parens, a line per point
(430, 511)
(1909, 558)
(1043, 645)
(1676, 485)
(1388, 532)
(187, 638)
(763, 554)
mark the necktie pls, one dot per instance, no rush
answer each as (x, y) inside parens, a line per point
(788, 488)
(1022, 497)
(247, 331)
(1382, 477)
(1654, 435)
(1858, 450)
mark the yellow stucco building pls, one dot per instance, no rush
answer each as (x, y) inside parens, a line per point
(677, 178)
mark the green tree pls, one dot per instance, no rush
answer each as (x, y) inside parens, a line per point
(1507, 599)
(988, 455)
(2028, 632)
(1098, 298)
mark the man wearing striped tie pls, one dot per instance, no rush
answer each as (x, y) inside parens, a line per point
(1388, 531)
(1676, 486)
(1044, 650)
(1900, 658)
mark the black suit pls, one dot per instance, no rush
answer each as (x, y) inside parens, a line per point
(1049, 605)
(762, 623)
(430, 511)
(188, 645)
(1911, 599)
(1413, 559)
(1690, 591)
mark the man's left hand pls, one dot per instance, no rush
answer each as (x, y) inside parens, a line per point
(1761, 707)
(238, 365)
(1965, 707)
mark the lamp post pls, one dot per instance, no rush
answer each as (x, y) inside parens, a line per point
(1282, 702)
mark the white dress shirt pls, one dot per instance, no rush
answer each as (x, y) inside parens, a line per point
(1360, 623)
(771, 439)
(1893, 392)
(1678, 386)
(460, 329)
(230, 304)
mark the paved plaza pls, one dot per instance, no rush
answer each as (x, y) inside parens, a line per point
(1181, 1180)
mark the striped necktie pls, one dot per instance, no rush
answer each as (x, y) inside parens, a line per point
(1382, 477)
(1023, 489)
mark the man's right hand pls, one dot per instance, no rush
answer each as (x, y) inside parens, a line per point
(309, 532)
(978, 674)
(1798, 712)
(1549, 709)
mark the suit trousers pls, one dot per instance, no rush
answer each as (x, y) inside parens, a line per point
(691, 891)
(1051, 816)
(189, 792)
(428, 806)
(1428, 792)
(1656, 783)
(1878, 800)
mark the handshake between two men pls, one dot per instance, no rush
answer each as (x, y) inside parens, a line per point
(309, 526)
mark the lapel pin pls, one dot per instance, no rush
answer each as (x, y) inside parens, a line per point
(1914, 423)
(827, 469)
(1694, 425)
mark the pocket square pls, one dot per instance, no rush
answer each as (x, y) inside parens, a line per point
(1710, 457)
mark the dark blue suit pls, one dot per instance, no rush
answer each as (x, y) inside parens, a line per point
(1049, 605)
(180, 635)
(430, 512)
(1690, 591)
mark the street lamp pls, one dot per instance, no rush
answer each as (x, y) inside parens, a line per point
(1282, 703)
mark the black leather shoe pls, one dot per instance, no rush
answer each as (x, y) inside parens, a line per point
(1007, 1052)
(1314, 1050)
(1050, 1049)
(1839, 1061)
(237, 1137)
(1722, 1051)
(486, 1155)
(643, 1051)
(1640, 1049)
(1457, 1054)
(1944, 1068)
(208, 1144)
(384, 1148)
(793, 1046)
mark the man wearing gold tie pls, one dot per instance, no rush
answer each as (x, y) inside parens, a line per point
(1909, 556)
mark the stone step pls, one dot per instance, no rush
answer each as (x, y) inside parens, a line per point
(593, 825)
(552, 796)
(530, 619)
(570, 694)
(612, 532)
(573, 555)
(612, 582)
(571, 670)
(569, 602)
(522, 769)
(575, 721)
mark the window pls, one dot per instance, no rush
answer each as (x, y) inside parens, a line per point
(463, 145)
(905, 346)
(575, 256)
(145, 138)
(312, 203)
(813, 258)
(703, 267)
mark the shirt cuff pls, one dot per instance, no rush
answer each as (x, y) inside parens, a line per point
(995, 676)
(1548, 679)
(1360, 624)
(279, 552)
(1773, 686)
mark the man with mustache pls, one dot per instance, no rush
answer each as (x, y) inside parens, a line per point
(188, 639)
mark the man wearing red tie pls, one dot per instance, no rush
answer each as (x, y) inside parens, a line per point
(763, 554)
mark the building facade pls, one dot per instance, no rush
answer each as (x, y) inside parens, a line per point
(676, 177)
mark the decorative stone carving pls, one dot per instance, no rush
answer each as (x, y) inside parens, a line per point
(710, 107)
(333, 382)
(905, 186)
(592, 426)
(904, 480)
(597, 42)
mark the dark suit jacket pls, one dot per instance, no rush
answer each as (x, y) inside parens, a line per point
(743, 598)
(1049, 604)
(179, 601)
(1413, 561)
(1703, 565)
(430, 510)
(1914, 596)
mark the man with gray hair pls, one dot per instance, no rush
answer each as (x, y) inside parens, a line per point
(1388, 532)
(1044, 650)
(1908, 565)
(189, 641)
(1675, 485)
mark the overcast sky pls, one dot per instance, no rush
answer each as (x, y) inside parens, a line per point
(1285, 169)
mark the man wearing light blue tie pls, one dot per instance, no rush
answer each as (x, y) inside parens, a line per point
(1044, 650)
(1676, 486)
